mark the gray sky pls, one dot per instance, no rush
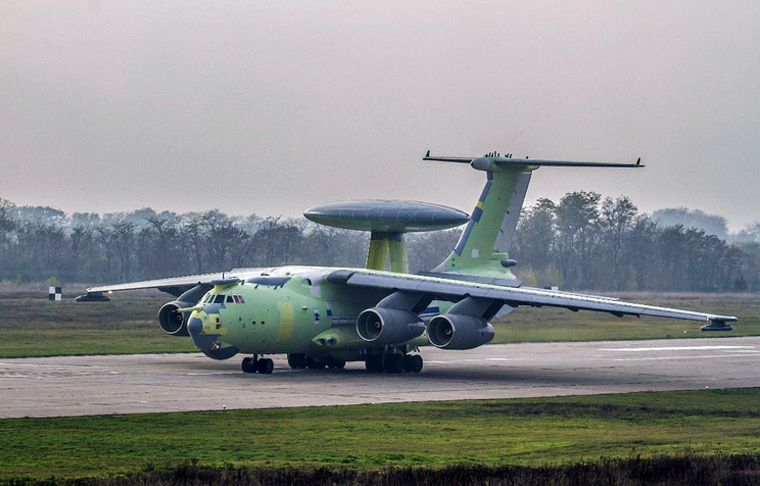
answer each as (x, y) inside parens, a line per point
(270, 107)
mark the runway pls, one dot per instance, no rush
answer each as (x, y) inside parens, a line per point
(90, 385)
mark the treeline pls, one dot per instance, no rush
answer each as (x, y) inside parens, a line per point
(89, 248)
(581, 242)
(584, 242)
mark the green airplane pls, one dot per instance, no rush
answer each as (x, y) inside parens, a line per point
(325, 316)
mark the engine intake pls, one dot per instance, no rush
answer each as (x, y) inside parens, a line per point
(457, 331)
(173, 322)
(382, 325)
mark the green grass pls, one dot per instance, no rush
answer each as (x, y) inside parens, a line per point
(547, 324)
(547, 431)
(33, 326)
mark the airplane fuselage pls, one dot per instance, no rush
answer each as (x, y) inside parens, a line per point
(285, 310)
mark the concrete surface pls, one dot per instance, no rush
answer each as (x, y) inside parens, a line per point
(41, 387)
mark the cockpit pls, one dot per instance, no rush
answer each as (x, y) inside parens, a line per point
(223, 299)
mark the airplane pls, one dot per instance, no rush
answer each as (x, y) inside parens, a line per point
(328, 316)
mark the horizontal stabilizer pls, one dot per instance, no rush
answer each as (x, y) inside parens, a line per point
(502, 162)
(488, 162)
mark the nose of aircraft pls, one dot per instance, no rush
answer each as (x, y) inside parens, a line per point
(206, 340)
(202, 330)
(194, 326)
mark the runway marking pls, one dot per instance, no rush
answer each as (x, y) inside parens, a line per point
(706, 356)
(677, 348)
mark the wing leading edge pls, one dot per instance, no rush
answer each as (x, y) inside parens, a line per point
(174, 286)
(452, 290)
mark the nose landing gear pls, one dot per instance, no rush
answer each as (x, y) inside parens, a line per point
(263, 366)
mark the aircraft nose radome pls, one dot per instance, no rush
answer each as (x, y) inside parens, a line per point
(194, 326)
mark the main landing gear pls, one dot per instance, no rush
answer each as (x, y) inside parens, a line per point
(300, 361)
(264, 366)
(394, 363)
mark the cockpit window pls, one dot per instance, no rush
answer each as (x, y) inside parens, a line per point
(222, 299)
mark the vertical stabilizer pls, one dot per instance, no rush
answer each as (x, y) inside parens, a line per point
(482, 249)
(509, 224)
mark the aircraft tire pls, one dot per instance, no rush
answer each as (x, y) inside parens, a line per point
(248, 365)
(417, 363)
(297, 361)
(336, 364)
(394, 363)
(265, 366)
(413, 363)
(409, 363)
(374, 364)
(314, 364)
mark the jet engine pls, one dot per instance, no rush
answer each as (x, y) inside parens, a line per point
(173, 322)
(383, 325)
(459, 331)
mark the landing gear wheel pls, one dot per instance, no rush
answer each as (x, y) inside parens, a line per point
(313, 364)
(374, 364)
(336, 364)
(394, 363)
(297, 361)
(413, 363)
(248, 365)
(265, 366)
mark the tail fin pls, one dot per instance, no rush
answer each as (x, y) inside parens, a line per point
(482, 249)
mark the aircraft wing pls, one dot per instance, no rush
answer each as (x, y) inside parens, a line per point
(175, 286)
(180, 283)
(452, 290)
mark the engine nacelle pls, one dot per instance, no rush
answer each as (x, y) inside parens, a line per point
(382, 325)
(458, 331)
(173, 322)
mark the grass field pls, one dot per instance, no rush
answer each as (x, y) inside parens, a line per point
(529, 432)
(33, 326)
(547, 431)
(527, 324)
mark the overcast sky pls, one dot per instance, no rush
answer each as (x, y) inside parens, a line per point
(270, 107)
